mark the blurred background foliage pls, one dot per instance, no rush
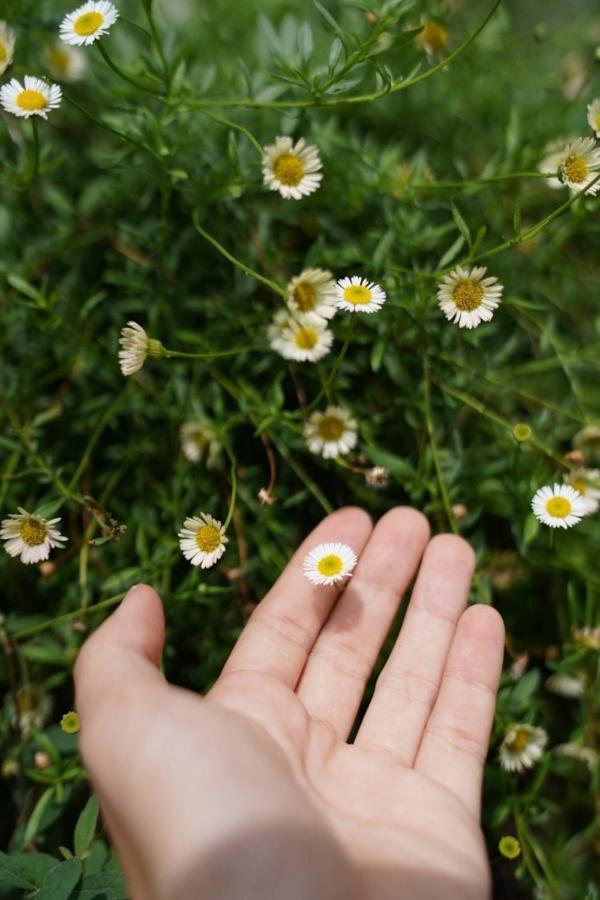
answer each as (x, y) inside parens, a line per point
(106, 234)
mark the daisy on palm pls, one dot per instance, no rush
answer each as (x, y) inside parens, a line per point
(292, 169)
(329, 563)
(467, 298)
(575, 164)
(331, 433)
(34, 97)
(593, 116)
(7, 46)
(559, 506)
(202, 540)
(304, 338)
(29, 536)
(87, 23)
(313, 291)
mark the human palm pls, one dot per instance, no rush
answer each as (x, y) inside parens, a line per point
(264, 761)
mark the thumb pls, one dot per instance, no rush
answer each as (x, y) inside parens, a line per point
(123, 655)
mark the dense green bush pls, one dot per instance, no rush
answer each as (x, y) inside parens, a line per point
(147, 203)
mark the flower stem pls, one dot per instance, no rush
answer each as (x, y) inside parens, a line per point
(158, 45)
(180, 354)
(326, 389)
(229, 124)
(232, 499)
(112, 130)
(119, 71)
(35, 153)
(236, 262)
(434, 450)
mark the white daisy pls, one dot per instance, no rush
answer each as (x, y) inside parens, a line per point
(198, 439)
(304, 338)
(559, 506)
(574, 164)
(467, 298)
(136, 348)
(292, 169)
(331, 433)
(377, 477)
(88, 22)
(202, 540)
(593, 116)
(329, 563)
(357, 294)
(565, 685)
(587, 483)
(32, 98)
(29, 536)
(521, 748)
(7, 46)
(65, 63)
(313, 291)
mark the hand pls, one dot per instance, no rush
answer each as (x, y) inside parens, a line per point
(254, 791)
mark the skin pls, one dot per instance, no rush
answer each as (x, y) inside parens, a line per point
(254, 791)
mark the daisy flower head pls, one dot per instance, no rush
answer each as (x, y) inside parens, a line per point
(87, 23)
(64, 62)
(136, 347)
(551, 161)
(304, 338)
(558, 506)
(202, 540)
(331, 433)
(313, 291)
(575, 164)
(521, 748)
(197, 439)
(292, 169)
(356, 294)
(7, 46)
(29, 536)
(329, 563)
(433, 37)
(593, 116)
(587, 483)
(34, 97)
(467, 298)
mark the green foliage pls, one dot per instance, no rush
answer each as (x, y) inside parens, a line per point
(146, 202)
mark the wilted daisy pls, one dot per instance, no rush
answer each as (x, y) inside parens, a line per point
(198, 439)
(65, 63)
(593, 116)
(587, 483)
(202, 540)
(433, 37)
(356, 294)
(467, 298)
(30, 536)
(559, 506)
(33, 706)
(88, 22)
(292, 169)
(377, 476)
(313, 291)
(574, 164)
(331, 433)
(521, 748)
(7, 46)
(565, 685)
(32, 98)
(136, 348)
(304, 338)
(329, 563)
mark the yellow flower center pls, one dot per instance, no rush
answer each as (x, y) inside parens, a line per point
(579, 485)
(330, 428)
(59, 60)
(575, 169)
(33, 532)
(306, 338)
(3, 52)
(305, 296)
(288, 169)
(357, 294)
(31, 100)
(208, 538)
(559, 507)
(519, 741)
(467, 295)
(597, 123)
(434, 37)
(88, 23)
(330, 565)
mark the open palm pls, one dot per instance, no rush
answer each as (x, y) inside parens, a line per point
(266, 754)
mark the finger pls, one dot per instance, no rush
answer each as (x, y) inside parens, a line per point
(408, 685)
(341, 661)
(283, 628)
(456, 737)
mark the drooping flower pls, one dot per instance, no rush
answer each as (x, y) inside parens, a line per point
(304, 337)
(575, 164)
(89, 22)
(202, 540)
(65, 63)
(292, 169)
(521, 748)
(593, 116)
(329, 563)
(32, 98)
(331, 433)
(136, 348)
(356, 294)
(313, 291)
(587, 483)
(559, 506)
(467, 298)
(29, 536)
(7, 46)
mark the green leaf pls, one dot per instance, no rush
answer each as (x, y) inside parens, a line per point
(452, 252)
(335, 51)
(35, 819)
(86, 826)
(328, 18)
(61, 881)
(101, 886)
(305, 41)
(46, 510)
(24, 869)
(461, 224)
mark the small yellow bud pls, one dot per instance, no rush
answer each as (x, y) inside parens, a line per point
(509, 847)
(70, 723)
(522, 432)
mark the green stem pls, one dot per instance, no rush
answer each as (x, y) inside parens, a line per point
(232, 499)
(434, 450)
(158, 45)
(94, 438)
(475, 182)
(236, 262)
(326, 389)
(115, 131)
(35, 154)
(119, 71)
(179, 354)
(229, 124)
(67, 617)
